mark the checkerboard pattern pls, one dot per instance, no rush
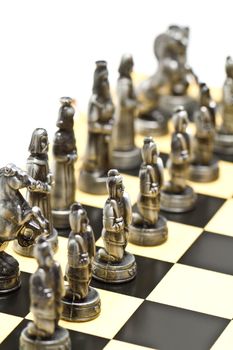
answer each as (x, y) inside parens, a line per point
(182, 296)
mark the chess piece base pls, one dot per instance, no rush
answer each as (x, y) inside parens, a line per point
(60, 340)
(124, 160)
(149, 236)
(29, 251)
(168, 103)
(9, 273)
(81, 310)
(151, 123)
(223, 143)
(61, 218)
(204, 173)
(178, 203)
(91, 183)
(115, 272)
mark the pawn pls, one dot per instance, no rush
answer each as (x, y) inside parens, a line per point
(125, 154)
(204, 167)
(112, 264)
(177, 196)
(207, 101)
(81, 302)
(38, 168)
(224, 135)
(148, 228)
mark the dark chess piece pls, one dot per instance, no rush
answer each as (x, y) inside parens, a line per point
(18, 221)
(224, 135)
(46, 291)
(93, 173)
(112, 264)
(177, 196)
(204, 167)
(148, 227)
(65, 156)
(207, 101)
(81, 301)
(168, 87)
(125, 154)
(38, 168)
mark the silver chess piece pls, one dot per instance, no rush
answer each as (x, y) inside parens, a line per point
(204, 166)
(97, 160)
(207, 101)
(148, 227)
(125, 154)
(176, 195)
(112, 264)
(81, 301)
(18, 221)
(38, 168)
(65, 156)
(46, 291)
(224, 135)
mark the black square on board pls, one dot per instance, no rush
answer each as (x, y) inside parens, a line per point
(166, 327)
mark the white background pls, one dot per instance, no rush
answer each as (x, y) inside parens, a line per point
(48, 49)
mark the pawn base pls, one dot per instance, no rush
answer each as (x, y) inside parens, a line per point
(61, 218)
(60, 340)
(151, 123)
(204, 173)
(91, 183)
(9, 273)
(29, 251)
(81, 310)
(115, 272)
(178, 203)
(223, 143)
(168, 103)
(125, 160)
(149, 236)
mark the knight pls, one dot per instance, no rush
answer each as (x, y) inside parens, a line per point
(148, 226)
(97, 159)
(81, 301)
(177, 196)
(38, 168)
(112, 263)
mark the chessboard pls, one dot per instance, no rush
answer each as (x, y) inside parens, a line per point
(182, 296)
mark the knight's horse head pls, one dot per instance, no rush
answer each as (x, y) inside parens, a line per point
(16, 177)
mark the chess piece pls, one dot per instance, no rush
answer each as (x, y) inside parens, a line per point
(46, 291)
(65, 156)
(93, 173)
(177, 196)
(38, 168)
(81, 301)
(224, 135)
(204, 167)
(207, 101)
(125, 154)
(168, 87)
(148, 227)
(112, 264)
(18, 221)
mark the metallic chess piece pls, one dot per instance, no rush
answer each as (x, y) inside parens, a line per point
(125, 154)
(148, 228)
(204, 167)
(46, 291)
(93, 173)
(177, 196)
(38, 168)
(168, 87)
(207, 101)
(18, 221)
(65, 156)
(112, 264)
(81, 301)
(224, 135)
